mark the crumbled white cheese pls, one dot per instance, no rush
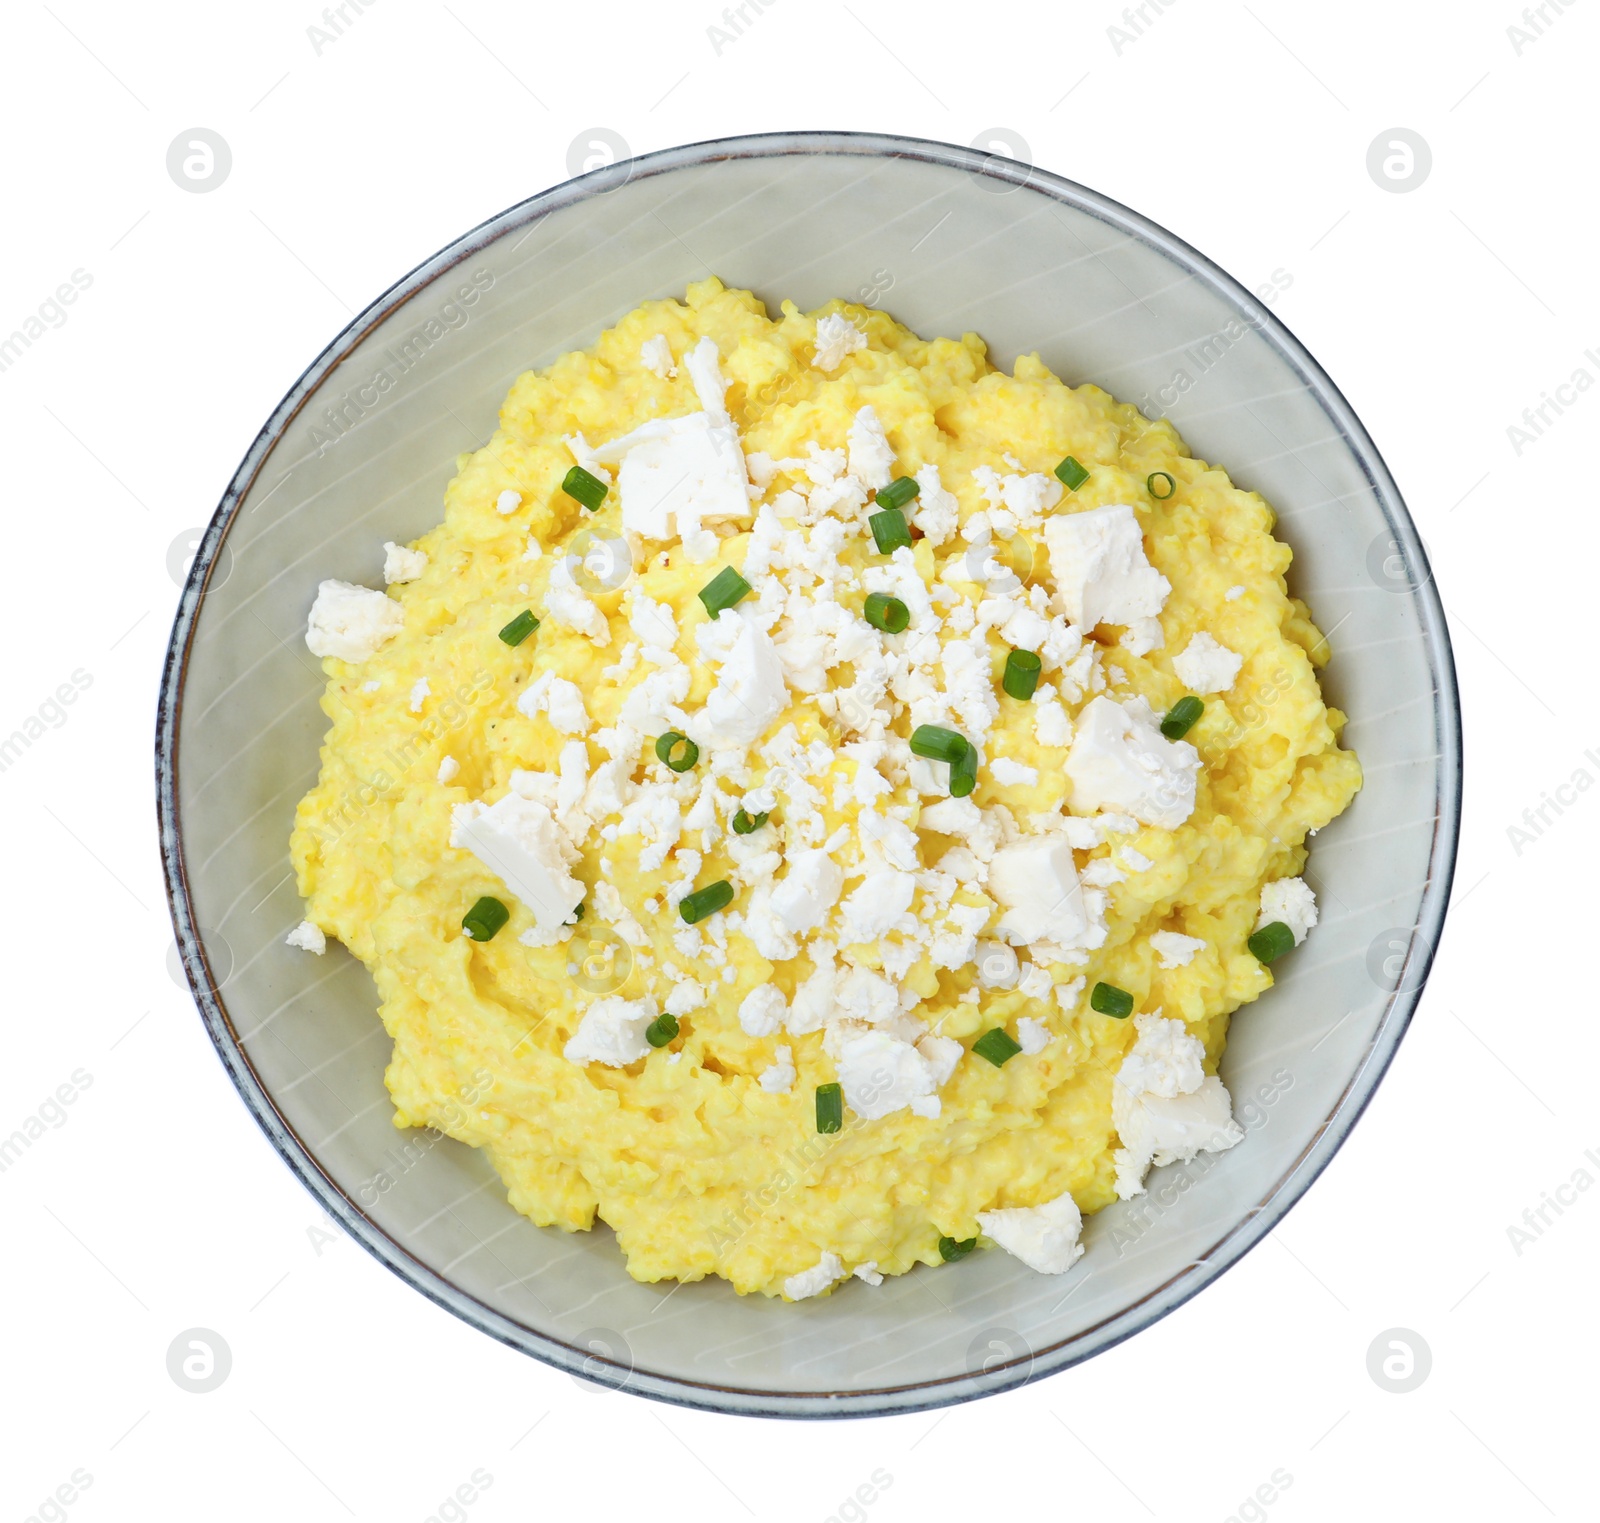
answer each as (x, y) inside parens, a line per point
(567, 603)
(687, 996)
(519, 841)
(612, 1032)
(401, 564)
(1164, 1107)
(813, 1281)
(419, 694)
(308, 938)
(448, 768)
(750, 691)
(1037, 882)
(1034, 981)
(1173, 949)
(875, 907)
(1009, 773)
(1233, 594)
(836, 337)
(1032, 1036)
(1291, 901)
(878, 1072)
(1205, 666)
(809, 889)
(560, 700)
(868, 1272)
(1044, 1237)
(508, 502)
(871, 458)
(779, 1076)
(656, 354)
(935, 509)
(1121, 760)
(1101, 574)
(351, 623)
(762, 1011)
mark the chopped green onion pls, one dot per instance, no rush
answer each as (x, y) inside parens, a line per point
(1071, 474)
(887, 613)
(996, 1046)
(830, 1108)
(1153, 478)
(519, 628)
(582, 487)
(898, 493)
(1271, 941)
(1108, 999)
(889, 530)
(937, 744)
(576, 915)
(723, 591)
(661, 1030)
(744, 824)
(1021, 675)
(677, 750)
(964, 773)
(705, 901)
(1181, 717)
(485, 918)
(950, 1250)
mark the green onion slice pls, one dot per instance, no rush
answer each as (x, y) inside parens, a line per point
(887, 613)
(519, 628)
(1108, 999)
(583, 487)
(1021, 675)
(1154, 483)
(937, 743)
(950, 1250)
(830, 1108)
(898, 493)
(889, 530)
(723, 591)
(1271, 941)
(485, 918)
(1071, 474)
(705, 901)
(677, 750)
(661, 1030)
(1180, 718)
(744, 824)
(964, 773)
(997, 1046)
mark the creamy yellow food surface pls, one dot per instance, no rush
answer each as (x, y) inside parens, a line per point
(699, 1166)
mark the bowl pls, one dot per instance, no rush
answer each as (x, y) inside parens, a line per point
(949, 239)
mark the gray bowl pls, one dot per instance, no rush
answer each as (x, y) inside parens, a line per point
(947, 239)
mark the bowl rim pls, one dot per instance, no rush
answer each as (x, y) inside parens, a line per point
(922, 1395)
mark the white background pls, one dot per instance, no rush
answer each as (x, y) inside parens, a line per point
(157, 1206)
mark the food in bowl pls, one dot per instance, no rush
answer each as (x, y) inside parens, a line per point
(816, 800)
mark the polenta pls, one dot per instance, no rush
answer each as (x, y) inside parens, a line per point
(816, 800)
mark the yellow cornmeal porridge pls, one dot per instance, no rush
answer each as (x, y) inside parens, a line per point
(1009, 1001)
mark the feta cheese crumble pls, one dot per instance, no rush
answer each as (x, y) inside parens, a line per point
(836, 337)
(813, 1281)
(1291, 901)
(1163, 1105)
(1044, 1237)
(1120, 760)
(401, 564)
(1101, 574)
(308, 938)
(352, 623)
(612, 1032)
(1173, 949)
(519, 841)
(1207, 666)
